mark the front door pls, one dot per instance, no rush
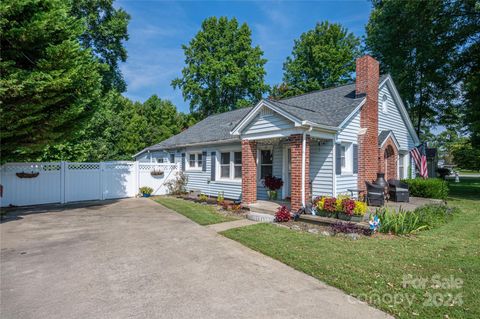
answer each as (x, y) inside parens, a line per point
(287, 172)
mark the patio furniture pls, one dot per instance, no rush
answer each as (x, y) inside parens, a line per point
(375, 195)
(398, 191)
(352, 191)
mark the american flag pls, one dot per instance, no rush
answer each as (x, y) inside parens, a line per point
(420, 156)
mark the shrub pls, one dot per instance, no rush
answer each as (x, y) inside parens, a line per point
(272, 183)
(399, 223)
(202, 197)
(220, 198)
(435, 215)
(146, 190)
(428, 188)
(282, 214)
(177, 186)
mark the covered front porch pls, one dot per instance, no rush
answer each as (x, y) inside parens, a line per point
(288, 158)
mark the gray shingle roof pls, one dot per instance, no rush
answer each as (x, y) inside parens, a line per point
(327, 107)
(384, 135)
(214, 128)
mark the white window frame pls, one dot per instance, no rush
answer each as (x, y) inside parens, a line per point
(348, 168)
(170, 158)
(402, 158)
(385, 103)
(259, 161)
(195, 167)
(232, 164)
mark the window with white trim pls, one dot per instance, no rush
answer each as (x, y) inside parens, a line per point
(159, 159)
(237, 165)
(346, 158)
(385, 103)
(266, 163)
(172, 158)
(195, 161)
(230, 165)
(401, 166)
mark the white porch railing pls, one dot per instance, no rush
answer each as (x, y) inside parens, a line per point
(63, 182)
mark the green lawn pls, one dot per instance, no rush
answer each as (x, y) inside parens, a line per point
(201, 214)
(373, 268)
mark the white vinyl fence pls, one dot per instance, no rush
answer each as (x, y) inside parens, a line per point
(63, 182)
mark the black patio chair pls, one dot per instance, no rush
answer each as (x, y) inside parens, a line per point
(398, 191)
(375, 195)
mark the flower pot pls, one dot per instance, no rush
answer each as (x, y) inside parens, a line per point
(272, 195)
(344, 216)
(145, 195)
(351, 218)
(356, 218)
(324, 213)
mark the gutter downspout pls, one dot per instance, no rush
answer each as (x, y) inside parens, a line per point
(304, 146)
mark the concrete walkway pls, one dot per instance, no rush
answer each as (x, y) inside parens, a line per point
(136, 259)
(229, 225)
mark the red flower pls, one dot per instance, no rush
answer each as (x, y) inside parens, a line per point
(329, 204)
(272, 183)
(348, 205)
(282, 214)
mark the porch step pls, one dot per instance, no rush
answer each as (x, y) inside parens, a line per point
(259, 217)
(267, 207)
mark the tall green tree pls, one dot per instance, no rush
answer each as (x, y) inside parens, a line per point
(467, 14)
(105, 33)
(149, 123)
(223, 70)
(418, 43)
(119, 129)
(50, 83)
(322, 57)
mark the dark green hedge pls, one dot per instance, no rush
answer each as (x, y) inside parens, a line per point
(428, 188)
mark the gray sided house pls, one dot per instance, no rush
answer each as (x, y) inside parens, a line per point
(326, 142)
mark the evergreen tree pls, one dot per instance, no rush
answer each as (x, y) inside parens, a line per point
(50, 84)
(223, 71)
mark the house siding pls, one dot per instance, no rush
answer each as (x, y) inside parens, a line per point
(321, 167)
(267, 121)
(199, 180)
(348, 134)
(394, 121)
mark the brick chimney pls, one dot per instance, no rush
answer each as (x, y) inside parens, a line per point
(367, 69)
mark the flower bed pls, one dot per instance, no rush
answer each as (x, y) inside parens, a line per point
(341, 207)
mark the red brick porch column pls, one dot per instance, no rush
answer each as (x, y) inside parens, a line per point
(296, 178)
(249, 171)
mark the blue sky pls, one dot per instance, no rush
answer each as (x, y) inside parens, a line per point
(159, 28)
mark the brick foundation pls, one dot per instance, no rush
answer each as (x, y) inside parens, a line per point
(249, 171)
(296, 178)
(367, 69)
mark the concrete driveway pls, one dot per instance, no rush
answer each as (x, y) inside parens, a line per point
(136, 259)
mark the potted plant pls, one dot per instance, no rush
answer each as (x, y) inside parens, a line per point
(273, 184)
(146, 191)
(352, 210)
(327, 207)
